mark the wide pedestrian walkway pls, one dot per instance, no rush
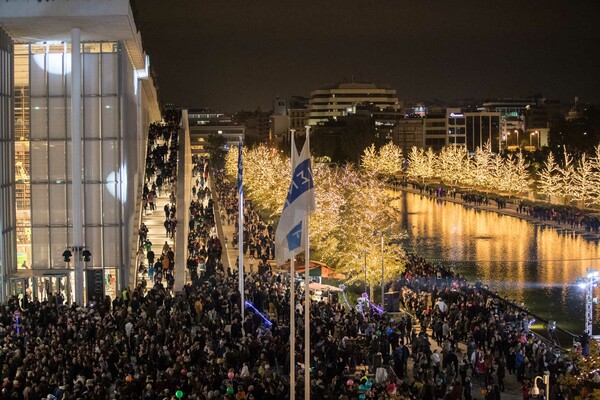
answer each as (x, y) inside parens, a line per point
(226, 232)
(157, 239)
(154, 221)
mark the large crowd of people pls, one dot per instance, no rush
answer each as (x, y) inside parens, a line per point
(160, 177)
(259, 236)
(204, 246)
(454, 341)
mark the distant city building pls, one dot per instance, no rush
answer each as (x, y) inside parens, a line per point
(576, 112)
(454, 126)
(279, 106)
(341, 99)
(203, 123)
(524, 122)
(482, 127)
(298, 113)
(257, 124)
(408, 133)
(298, 118)
(435, 131)
(280, 127)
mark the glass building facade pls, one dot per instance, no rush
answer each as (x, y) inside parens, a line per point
(118, 102)
(7, 177)
(42, 148)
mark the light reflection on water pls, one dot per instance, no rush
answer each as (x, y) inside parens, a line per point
(531, 264)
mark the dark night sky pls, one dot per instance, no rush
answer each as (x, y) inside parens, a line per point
(230, 55)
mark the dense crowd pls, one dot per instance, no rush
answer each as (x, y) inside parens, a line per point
(152, 345)
(258, 236)
(571, 217)
(148, 343)
(161, 176)
(204, 246)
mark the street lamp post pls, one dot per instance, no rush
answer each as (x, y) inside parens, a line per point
(531, 135)
(382, 234)
(535, 391)
(588, 283)
(517, 133)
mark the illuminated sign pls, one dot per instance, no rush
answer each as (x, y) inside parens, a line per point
(457, 115)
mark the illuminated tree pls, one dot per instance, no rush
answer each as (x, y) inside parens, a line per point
(366, 208)
(419, 165)
(452, 162)
(231, 162)
(565, 189)
(549, 177)
(595, 164)
(266, 176)
(520, 180)
(585, 374)
(430, 164)
(496, 174)
(350, 207)
(481, 167)
(369, 161)
(584, 182)
(391, 159)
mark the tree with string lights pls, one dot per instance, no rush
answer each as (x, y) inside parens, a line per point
(549, 177)
(418, 165)
(390, 159)
(452, 163)
(584, 375)
(385, 162)
(480, 167)
(345, 197)
(583, 181)
(521, 180)
(565, 189)
(595, 186)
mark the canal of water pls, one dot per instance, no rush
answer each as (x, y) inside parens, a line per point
(524, 262)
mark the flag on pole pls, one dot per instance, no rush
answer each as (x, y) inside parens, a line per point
(240, 168)
(300, 202)
(240, 229)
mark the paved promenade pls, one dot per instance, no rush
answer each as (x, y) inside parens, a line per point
(226, 232)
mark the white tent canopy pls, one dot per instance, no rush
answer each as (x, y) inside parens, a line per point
(323, 288)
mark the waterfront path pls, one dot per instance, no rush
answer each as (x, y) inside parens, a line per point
(510, 210)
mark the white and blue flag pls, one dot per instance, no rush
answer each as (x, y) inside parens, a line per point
(240, 169)
(299, 204)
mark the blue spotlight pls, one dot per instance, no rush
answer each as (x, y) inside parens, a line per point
(251, 306)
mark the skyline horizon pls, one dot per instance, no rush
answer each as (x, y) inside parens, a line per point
(233, 55)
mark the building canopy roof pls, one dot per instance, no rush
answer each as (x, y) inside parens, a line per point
(98, 20)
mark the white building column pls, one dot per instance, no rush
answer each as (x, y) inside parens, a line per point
(184, 197)
(76, 166)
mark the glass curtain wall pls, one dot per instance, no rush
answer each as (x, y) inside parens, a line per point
(42, 140)
(7, 177)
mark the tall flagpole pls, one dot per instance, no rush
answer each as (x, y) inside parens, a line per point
(241, 232)
(292, 300)
(306, 298)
